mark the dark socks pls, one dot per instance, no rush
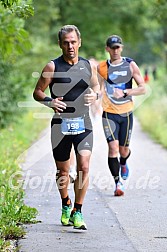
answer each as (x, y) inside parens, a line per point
(114, 167)
(66, 201)
(77, 207)
(123, 160)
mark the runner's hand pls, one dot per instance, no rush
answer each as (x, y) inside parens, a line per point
(57, 105)
(90, 97)
(118, 93)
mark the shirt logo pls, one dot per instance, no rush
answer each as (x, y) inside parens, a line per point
(121, 73)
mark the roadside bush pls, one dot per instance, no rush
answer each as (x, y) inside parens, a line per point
(13, 211)
(152, 114)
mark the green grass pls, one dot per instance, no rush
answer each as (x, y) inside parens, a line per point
(13, 212)
(152, 114)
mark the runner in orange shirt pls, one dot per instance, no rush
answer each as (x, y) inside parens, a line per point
(116, 75)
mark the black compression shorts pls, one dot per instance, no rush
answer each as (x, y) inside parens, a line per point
(118, 127)
(61, 144)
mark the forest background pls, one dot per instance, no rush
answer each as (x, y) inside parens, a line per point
(28, 40)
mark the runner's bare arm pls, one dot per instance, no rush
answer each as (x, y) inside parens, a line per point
(94, 90)
(100, 80)
(43, 82)
(94, 79)
(39, 93)
(140, 89)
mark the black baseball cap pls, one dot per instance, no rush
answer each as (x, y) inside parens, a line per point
(114, 40)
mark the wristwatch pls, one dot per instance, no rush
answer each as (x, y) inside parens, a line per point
(125, 93)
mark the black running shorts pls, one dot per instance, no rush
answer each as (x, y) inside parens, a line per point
(118, 127)
(61, 144)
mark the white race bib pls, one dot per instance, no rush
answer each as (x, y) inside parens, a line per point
(72, 126)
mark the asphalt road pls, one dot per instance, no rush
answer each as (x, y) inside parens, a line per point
(135, 222)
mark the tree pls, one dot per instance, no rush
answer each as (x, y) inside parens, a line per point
(14, 41)
(14, 38)
(98, 19)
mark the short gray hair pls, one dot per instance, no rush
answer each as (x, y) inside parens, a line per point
(68, 29)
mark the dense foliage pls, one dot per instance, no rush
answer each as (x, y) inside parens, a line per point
(13, 43)
(28, 40)
(28, 32)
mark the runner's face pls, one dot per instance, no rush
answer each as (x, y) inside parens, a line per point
(115, 52)
(70, 45)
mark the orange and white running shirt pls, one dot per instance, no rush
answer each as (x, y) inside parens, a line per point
(116, 76)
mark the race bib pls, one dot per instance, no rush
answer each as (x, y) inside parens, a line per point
(72, 126)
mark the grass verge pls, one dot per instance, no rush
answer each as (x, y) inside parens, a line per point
(13, 212)
(152, 114)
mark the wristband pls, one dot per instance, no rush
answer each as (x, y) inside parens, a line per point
(125, 93)
(47, 101)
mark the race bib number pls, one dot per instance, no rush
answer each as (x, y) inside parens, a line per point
(72, 126)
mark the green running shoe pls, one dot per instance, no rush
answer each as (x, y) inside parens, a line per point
(77, 220)
(66, 211)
